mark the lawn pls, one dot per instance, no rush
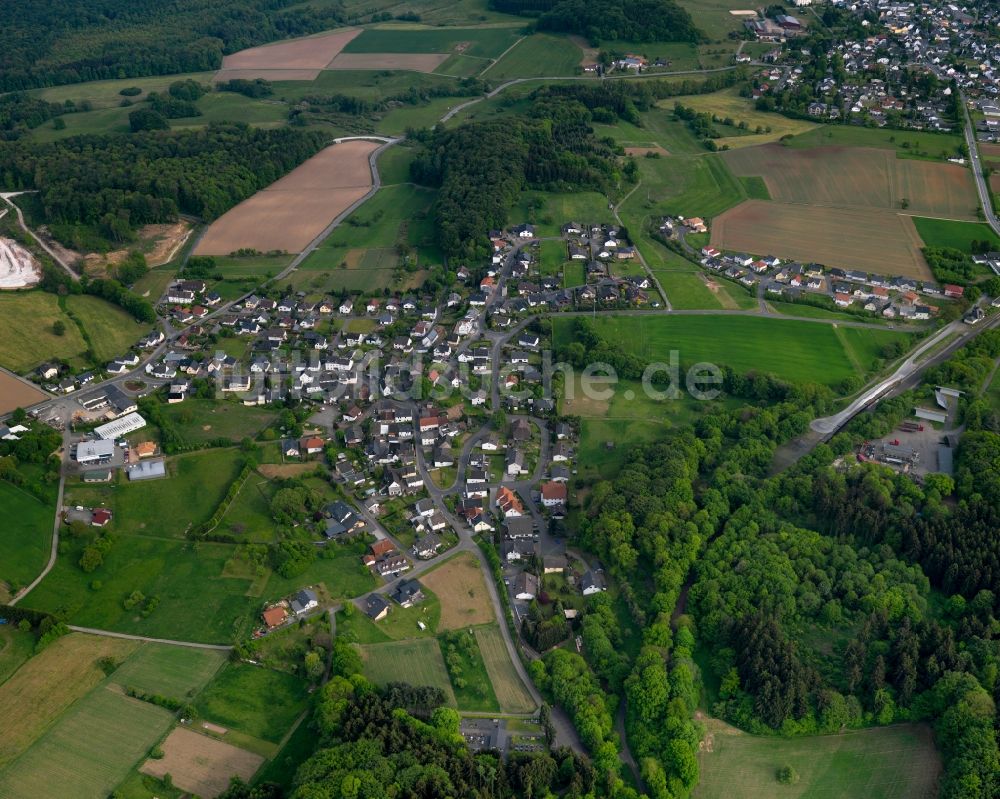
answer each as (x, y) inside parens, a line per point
(197, 603)
(89, 751)
(174, 671)
(200, 421)
(549, 211)
(510, 692)
(26, 536)
(551, 257)
(112, 331)
(417, 662)
(897, 762)
(481, 42)
(537, 56)
(796, 351)
(26, 337)
(469, 680)
(38, 692)
(959, 235)
(257, 701)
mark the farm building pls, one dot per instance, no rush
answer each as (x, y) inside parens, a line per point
(148, 470)
(120, 427)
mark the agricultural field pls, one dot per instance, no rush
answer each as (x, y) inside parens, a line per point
(897, 762)
(198, 599)
(959, 235)
(90, 749)
(361, 255)
(201, 765)
(859, 177)
(292, 211)
(470, 680)
(250, 267)
(486, 42)
(713, 16)
(538, 55)
(25, 535)
(16, 393)
(418, 662)
(172, 671)
(510, 692)
(295, 59)
(26, 337)
(459, 584)
(851, 238)
(259, 702)
(45, 686)
(796, 351)
(906, 144)
(112, 330)
(15, 648)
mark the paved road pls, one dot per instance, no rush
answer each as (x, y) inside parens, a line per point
(642, 258)
(56, 523)
(916, 363)
(169, 642)
(982, 185)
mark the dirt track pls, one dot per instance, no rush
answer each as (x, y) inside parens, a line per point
(292, 211)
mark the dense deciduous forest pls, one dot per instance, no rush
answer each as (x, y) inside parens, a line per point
(48, 43)
(812, 593)
(608, 20)
(112, 184)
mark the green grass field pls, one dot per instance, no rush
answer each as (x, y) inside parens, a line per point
(15, 648)
(26, 337)
(253, 700)
(686, 290)
(152, 284)
(174, 671)
(549, 211)
(713, 16)
(338, 567)
(729, 103)
(25, 536)
(257, 267)
(200, 421)
(536, 56)
(89, 750)
(897, 762)
(165, 508)
(481, 42)
(907, 144)
(249, 516)
(960, 235)
(418, 662)
(797, 351)
(112, 330)
(510, 692)
(197, 603)
(472, 686)
(394, 165)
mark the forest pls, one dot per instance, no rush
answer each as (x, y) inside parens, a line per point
(110, 185)
(816, 600)
(50, 43)
(609, 20)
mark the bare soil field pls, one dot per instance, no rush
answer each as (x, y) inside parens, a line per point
(201, 765)
(273, 471)
(415, 62)
(18, 267)
(306, 57)
(460, 586)
(859, 177)
(292, 211)
(38, 692)
(17, 394)
(879, 241)
(990, 150)
(643, 151)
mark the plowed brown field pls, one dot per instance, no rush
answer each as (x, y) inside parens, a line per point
(292, 211)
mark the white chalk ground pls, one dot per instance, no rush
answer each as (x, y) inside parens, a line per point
(18, 267)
